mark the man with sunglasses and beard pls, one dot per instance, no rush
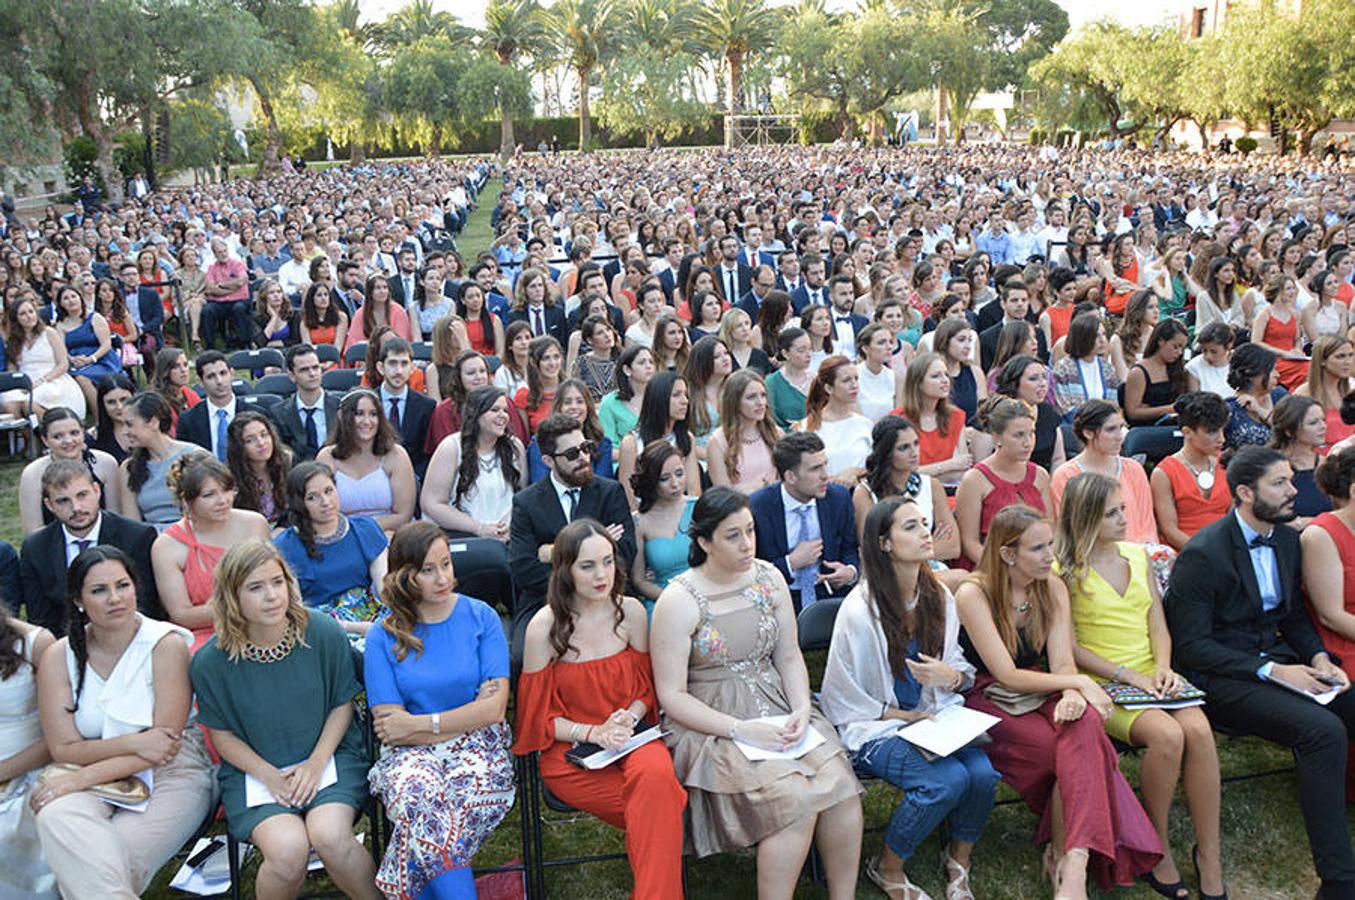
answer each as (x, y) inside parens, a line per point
(542, 510)
(1241, 632)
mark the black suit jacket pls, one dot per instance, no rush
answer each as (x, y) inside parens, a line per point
(195, 428)
(668, 281)
(554, 317)
(618, 320)
(293, 428)
(988, 346)
(415, 415)
(1213, 606)
(538, 517)
(397, 287)
(744, 277)
(42, 567)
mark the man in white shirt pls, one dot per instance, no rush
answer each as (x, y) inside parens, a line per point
(1025, 240)
(294, 275)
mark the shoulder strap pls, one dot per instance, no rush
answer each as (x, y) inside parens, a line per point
(989, 474)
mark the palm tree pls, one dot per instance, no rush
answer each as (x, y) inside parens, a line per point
(511, 26)
(733, 29)
(663, 26)
(584, 31)
(416, 20)
(347, 14)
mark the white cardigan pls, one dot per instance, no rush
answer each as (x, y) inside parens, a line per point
(858, 685)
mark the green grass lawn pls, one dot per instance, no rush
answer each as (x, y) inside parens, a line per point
(1265, 849)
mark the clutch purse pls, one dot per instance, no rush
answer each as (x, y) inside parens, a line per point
(1014, 703)
(130, 790)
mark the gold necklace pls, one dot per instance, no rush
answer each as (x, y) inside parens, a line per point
(272, 653)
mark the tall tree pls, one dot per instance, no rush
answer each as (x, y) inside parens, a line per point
(512, 27)
(421, 83)
(417, 20)
(650, 88)
(584, 32)
(1092, 60)
(27, 134)
(733, 29)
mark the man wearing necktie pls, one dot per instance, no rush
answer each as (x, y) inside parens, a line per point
(1241, 632)
(812, 292)
(842, 294)
(735, 278)
(805, 524)
(406, 281)
(206, 423)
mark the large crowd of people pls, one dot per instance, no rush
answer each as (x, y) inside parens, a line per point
(1058, 436)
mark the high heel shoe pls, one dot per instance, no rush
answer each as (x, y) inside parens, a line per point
(1177, 890)
(1195, 858)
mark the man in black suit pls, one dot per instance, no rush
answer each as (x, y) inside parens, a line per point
(592, 284)
(544, 318)
(539, 513)
(788, 277)
(309, 417)
(1015, 306)
(71, 495)
(846, 323)
(409, 412)
(1240, 631)
(764, 282)
(736, 278)
(405, 282)
(672, 255)
(806, 508)
(206, 423)
(147, 312)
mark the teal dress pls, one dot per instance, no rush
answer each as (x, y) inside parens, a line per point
(279, 710)
(788, 404)
(666, 557)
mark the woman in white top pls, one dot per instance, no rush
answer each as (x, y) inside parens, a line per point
(1208, 369)
(40, 353)
(880, 387)
(512, 371)
(371, 470)
(1324, 315)
(23, 872)
(651, 303)
(817, 321)
(895, 658)
(64, 436)
(830, 410)
(126, 679)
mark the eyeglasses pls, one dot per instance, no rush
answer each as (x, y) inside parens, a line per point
(587, 447)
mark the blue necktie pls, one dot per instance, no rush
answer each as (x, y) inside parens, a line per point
(806, 578)
(221, 435)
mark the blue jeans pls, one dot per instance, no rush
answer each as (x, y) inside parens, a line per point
(959, 786)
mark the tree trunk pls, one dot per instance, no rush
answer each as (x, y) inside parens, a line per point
(735, 80)
(585, 124)
(103, 143)
(357, 152)
(272, 148)
(1305, 140)
(507, 142)
(435, 142)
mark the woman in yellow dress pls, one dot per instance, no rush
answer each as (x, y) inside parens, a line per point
(1121, 635)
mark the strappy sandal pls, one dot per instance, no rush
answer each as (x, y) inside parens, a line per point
(910, 890)
(957, 878)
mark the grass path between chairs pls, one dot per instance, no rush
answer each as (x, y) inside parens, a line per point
(1266, 853)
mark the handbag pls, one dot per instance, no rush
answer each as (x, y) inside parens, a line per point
(1014, 703)
(130, 790)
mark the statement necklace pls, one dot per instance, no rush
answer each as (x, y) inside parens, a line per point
(1203, 477)
(1023, 608)
(273, 653)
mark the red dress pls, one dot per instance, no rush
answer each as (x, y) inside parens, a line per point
(639, 793)
(1284, 335)
(1004, 493)
(481, 338)
(1338, 645)
(933, 446)
(534, 415)
(1193, 509)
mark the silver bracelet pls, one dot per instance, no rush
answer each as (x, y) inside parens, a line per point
(734, 730)
(437, 723)
(574, 733)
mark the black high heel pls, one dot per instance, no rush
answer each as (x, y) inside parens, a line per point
(1174, 891)
(1195, 858)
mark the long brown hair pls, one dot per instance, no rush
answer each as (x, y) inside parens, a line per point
(913, 377)
(731, 398)
(928, 623)
(409, 547)
(993, 579)
(560, 590)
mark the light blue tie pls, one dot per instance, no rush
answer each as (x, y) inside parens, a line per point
(221, 435)
(805, 578)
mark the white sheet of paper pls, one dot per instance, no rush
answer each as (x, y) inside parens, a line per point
(1323, 698)
(951, 729)
(146, 775)
(810, 740)
(213, 876)
(605, 758)
(257, 794)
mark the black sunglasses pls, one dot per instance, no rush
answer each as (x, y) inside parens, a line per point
(587, 447)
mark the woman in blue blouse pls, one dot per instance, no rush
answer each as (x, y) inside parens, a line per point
(661, 539)
(339, 560)
(437, 682)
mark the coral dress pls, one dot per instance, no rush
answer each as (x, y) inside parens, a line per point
(1285, 335)
(198, 570)
(1193, 509)
(933, 446)
(638, 793)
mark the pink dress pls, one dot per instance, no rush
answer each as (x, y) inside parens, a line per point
(198, 570)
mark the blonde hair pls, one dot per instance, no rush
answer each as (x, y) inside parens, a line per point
(232, 631)
(1084, 506)
(1323, 348)
(730, 322)
(991, 576)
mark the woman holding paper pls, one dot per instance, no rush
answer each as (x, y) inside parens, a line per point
(437, 683)
(1050, 745)
(275, 686)
(114, 700)
(586, 679)
(895, 659)
(732, 683)
(1120, 635)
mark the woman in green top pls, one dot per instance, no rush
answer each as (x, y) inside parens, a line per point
(619, 410)
(788, 386)
(275, 688)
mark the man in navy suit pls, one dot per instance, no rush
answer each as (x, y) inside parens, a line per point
(846, 323)
(764, 282)
(409, 412)
(735, 278)
(672, 254)
(817, 515)
(788, 277)
(405, 283)
(813, 292)
(147, 312)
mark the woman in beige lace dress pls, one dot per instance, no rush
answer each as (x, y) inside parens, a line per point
(726, 659)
